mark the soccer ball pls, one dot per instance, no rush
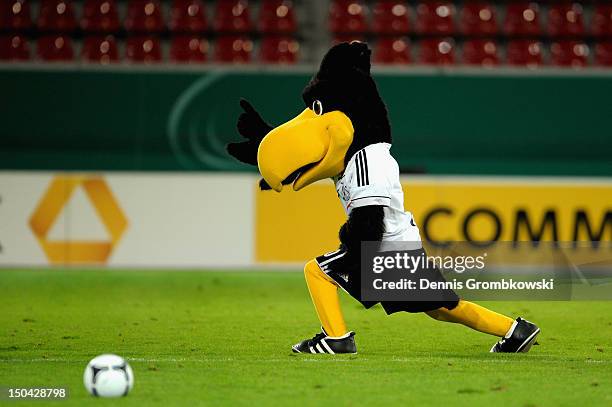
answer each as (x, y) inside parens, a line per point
(108, 376)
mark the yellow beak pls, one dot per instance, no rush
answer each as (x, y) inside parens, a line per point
(308, 139)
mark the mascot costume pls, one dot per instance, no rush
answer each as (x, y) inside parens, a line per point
(344, 134)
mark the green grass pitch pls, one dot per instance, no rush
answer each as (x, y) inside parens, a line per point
(223, 338)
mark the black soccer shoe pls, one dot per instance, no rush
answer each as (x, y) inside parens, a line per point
(520, 337)
(322, 343)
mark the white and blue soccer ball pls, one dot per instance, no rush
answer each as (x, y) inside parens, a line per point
(108, 376)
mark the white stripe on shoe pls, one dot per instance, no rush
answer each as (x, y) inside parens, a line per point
(524, 346)
(326, 346)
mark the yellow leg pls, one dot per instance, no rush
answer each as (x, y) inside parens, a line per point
(474, 316)
(324, 294)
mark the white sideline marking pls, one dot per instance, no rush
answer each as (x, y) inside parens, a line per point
(184, 360)
(298, 359)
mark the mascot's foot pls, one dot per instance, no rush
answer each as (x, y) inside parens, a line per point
(519, 338)
(322, 343)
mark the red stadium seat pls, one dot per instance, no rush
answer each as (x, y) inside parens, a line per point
(143, 49)
(188, 16)
(565, 20)
(15, 15)
(480, 52)
(392, 51)
(144, 16)
(279, 50)
(233, 16)
(435, 17)
(478, 18)
(189, 48)
(101, 49)
(522, 18)
(277, 16)
(601, 22)
(347, 16)
(569, 53)
(603, 53)
(14, 48)
(524, 53)
(234, 49)
(100, 16)
(57, 16)
(391, 17)
(55, 48)
(437, 51)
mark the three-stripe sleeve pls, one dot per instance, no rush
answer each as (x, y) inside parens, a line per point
(361, 165)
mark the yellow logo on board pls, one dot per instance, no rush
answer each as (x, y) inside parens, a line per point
(73, 251)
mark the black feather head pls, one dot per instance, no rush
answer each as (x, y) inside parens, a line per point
(344, 83)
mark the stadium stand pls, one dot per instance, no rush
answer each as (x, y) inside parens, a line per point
(482, 52)
(100, 16)
(527, 53)
(565, 20)
(277, 17)
(233, 16)
(57, 16)
(15, 15)
(347, 16)
(603, 54)
(144, 16)
(391, 17)
(189, 48)
(101, 49)
(478, 18)
(234, 49)
(437, 51)
(143, 48)
(14, 48)
(569, 53)
(435, 17)
(188, 16)
(522, 19)
(601, 23)
(279, 50)
(490, 33)
(55, 48)
(392, 50)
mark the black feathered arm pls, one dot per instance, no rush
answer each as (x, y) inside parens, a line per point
(365, 223)
(253, 128)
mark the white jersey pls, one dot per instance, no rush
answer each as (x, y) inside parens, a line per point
(371, 177)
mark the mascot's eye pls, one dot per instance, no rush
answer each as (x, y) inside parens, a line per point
(317, 107)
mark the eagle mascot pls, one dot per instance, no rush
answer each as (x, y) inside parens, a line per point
(344, 134)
